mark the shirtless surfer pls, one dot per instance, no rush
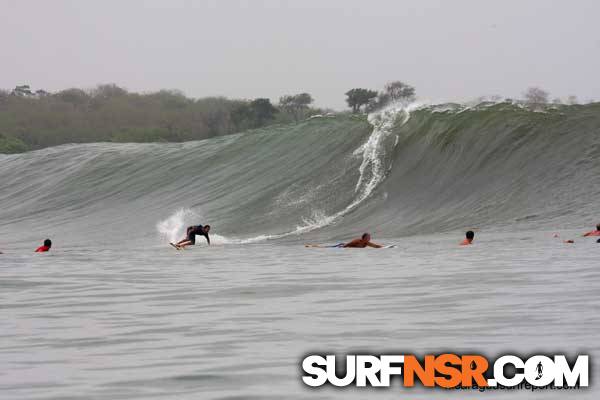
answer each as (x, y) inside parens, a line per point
(358, 243)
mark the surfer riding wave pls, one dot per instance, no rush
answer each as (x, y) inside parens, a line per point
(191, 233)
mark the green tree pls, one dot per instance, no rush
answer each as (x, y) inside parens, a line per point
(4, 96)
(356, 98)
(73, 96)
(111, 113)
(263, 111)
(108, 90)
(536, 97)
(381, 100)
(399, 91)
(22, 90)
(393, 91)
(297, 105)
(10, 145)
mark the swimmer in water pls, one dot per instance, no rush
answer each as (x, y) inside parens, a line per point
(594, 233)
(470, 235)
(45, 247)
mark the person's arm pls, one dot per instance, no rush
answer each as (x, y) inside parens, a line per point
(588, 234)
(375, 245)
(207, 238)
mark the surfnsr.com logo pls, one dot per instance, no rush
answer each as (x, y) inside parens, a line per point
(446, 371)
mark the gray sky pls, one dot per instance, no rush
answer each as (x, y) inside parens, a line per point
(449, 50)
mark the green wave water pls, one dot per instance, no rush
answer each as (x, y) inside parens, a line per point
(402, 171)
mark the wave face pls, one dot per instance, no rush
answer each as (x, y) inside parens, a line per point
(403, 171)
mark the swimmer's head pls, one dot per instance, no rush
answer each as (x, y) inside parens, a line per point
(598, 241)
(48, 243)
(206, 228)
(366, 236)
(470, 235)
(598, 227)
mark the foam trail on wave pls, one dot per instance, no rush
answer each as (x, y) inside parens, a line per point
(318, 220)
(173, 228)
(372, 170)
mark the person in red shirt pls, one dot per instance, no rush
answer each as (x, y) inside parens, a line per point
(469, 240)
(45, 247)
(594, 233)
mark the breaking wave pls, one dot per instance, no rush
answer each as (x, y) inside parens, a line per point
(401, 171)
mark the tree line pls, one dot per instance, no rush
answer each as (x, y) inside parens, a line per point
(36, 119)
(536, 97)
(371, 100)
(360, 99)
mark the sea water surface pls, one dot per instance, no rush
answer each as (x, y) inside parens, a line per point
(235, 321)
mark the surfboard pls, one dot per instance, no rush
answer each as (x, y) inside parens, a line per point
(390, 246)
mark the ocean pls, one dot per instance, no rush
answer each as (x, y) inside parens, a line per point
(114, 312)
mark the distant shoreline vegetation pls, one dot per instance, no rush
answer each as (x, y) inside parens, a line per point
(31, 120)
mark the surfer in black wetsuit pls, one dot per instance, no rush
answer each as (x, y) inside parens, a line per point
(191, 233)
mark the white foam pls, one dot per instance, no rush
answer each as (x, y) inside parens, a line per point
(172, 229)
(372, 151)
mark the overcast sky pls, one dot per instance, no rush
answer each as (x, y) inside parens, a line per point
(449, 50)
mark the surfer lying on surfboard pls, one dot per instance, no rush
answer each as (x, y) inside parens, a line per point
(191, 233)
(360, 243)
